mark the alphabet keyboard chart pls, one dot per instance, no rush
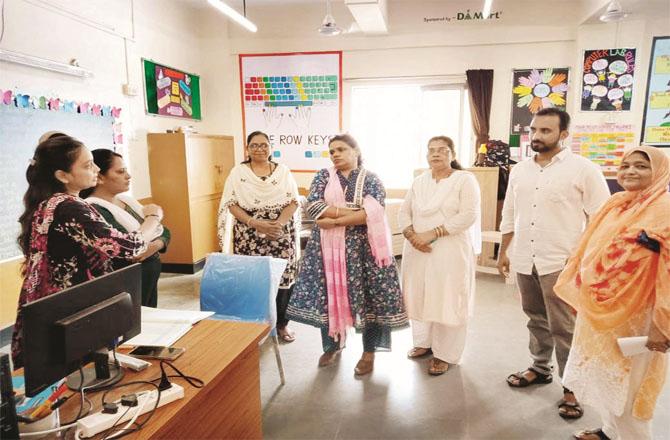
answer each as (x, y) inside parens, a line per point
(296, 100)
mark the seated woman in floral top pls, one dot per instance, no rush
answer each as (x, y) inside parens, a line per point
(64, 240)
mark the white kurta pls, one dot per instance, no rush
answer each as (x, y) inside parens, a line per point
(439, 286)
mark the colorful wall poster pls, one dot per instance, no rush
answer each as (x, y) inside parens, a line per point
(607, 79)
(535, 89)
(603, 144)
(171, 92)
(656, 120)
(296, 98)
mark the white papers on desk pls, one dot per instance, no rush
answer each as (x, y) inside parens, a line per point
(163, 327)
(633, 345)
(149, 314)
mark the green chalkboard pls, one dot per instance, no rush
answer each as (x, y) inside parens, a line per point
(171, 92)
(20, 128)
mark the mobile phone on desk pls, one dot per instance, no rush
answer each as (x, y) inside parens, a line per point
(162, 353)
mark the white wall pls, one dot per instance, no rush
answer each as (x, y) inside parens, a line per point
(166, 31)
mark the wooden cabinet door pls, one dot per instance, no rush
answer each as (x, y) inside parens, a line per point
(209, 160)
(203, 225)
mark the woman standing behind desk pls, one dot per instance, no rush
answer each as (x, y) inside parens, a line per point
(126, 215)
(440, 220)
(348, 277)
(618, 280)
(64, 240)
(263, 197)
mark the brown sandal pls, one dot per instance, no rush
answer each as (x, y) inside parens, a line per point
(418, 352)
(364, 366)
(329, 358)
(569, 410)
(437, 367)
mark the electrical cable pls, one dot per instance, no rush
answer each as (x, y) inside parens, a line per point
(193, 381)
(109, 431)
(149, 414)
(140, 407)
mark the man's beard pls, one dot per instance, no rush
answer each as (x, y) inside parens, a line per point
(540, 147)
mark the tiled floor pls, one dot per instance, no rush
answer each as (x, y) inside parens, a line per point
(399, 400)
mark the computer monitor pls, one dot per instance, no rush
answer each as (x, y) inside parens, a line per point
(64, 331)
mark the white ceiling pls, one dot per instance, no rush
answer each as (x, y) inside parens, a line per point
(407, 16)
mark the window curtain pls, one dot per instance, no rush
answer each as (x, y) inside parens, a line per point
(480, 90)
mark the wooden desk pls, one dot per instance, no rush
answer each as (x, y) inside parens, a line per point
(225, 355)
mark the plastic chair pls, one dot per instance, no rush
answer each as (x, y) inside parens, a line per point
(243, 288)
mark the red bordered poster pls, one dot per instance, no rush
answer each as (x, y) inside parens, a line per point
(296, 98)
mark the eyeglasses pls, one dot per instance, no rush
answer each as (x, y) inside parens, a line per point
(441, 150)
(258, 147)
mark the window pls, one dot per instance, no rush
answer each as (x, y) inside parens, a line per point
(393, 122)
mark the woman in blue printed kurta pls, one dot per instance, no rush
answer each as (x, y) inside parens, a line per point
(374, 295)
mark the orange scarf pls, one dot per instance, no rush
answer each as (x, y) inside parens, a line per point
(610, 276)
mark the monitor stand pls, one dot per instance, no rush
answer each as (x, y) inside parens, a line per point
(100, 375)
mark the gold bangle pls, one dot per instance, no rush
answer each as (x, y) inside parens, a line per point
(249, 222)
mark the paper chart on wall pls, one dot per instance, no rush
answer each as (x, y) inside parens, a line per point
(656, 121)
(603, 144)
(534, 90)
(607, 79)
(296, 99)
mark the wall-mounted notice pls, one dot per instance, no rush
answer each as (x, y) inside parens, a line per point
(296, 98)
(656, 120)
(535, 89)
(603, 144)
(171, 92)
(607, 79)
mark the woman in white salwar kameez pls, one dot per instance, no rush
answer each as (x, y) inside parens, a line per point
(441, 222)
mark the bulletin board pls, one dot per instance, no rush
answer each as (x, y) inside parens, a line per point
(533, 90)
(295, 98)
(607, 79)
(656, 120)
(171, 92)
(603, 144)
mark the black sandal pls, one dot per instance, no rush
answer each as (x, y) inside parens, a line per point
(599, 432)
(564, 406)
(522, 382)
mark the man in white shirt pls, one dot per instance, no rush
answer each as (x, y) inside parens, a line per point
(547, 205)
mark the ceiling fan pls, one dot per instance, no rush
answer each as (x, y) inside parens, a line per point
(328, 26)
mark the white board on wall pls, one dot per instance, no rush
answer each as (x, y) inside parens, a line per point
(295, 98)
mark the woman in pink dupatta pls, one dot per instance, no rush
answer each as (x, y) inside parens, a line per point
(348, 277)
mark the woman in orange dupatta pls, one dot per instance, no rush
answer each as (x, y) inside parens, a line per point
(618, 280)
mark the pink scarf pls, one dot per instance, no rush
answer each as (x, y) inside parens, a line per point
(379, 232)
(335, 265)
(333, 248)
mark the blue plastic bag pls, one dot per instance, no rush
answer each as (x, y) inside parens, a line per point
(241, 287)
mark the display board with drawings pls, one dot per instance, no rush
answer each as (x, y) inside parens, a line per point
(20, 128)
(607, 81)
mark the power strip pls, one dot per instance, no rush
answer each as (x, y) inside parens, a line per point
(98, 422)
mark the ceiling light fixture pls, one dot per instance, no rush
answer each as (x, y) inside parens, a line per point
(328, 26)
(231, 13)
(614, 12)
(45, 64)
(487, 8)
